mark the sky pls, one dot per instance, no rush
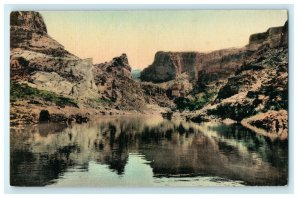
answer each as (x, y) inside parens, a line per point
(102, 35)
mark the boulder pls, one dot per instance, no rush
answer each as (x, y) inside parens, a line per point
(273, 123)
(44, 116)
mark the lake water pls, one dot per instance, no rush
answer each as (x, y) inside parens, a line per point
(145, 151)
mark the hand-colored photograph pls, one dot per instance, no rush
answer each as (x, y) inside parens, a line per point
(149, 98)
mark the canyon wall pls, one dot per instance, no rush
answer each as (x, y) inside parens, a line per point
(212, 66)
(273, 37)
(51, 73)
(168, 65)
(257, 93)
(43, 63)
(203, 67)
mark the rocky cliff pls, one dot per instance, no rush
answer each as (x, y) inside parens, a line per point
(48, 82)
(28, 31)
(273, 37)
(168, 65)
(116, 86)
(44, 76)
(257, 95)
(202, 67)
(41, 61)
(212, 66)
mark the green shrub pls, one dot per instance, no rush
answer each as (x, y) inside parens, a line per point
(183, 103)
(25, 92)
(102, 100)
(197, 103)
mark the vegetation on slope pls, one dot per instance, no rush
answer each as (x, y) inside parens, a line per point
(25, 92)
(183, 103)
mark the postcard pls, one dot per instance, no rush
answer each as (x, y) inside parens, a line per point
(149, 98)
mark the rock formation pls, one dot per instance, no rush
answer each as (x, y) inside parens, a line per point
(273, 37)
(260, 85)
(168, 65)
(51, 76)
(202, 67)
(28, 31)
(44, 69)
(37, 58)
(212, 66)
(116, 85)
(271, 123)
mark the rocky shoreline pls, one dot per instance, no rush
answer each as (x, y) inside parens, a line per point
(33, 112)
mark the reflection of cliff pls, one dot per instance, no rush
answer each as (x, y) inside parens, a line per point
(216, 154)
(32, 169)
(172, 149)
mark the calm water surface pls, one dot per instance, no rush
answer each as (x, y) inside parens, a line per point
(145, 151)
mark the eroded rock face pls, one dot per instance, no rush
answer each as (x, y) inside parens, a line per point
(117, 67)
(30, 20)
(115, 84)
(32, 49)
(168, 65)
(28, 31)
(37, 58)
(201, 67)
(180, 87)
(216, 65)
(220, 64)
(273, 37)
(258, 90)
(42, 63)
(255, 89)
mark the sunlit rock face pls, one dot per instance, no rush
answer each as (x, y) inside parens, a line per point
(28, 31)
(39, 59)
(202, 67)
(168, 65)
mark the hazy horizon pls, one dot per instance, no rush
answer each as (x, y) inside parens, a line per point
(102, 35)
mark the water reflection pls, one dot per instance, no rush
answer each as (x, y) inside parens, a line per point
(144, 151)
